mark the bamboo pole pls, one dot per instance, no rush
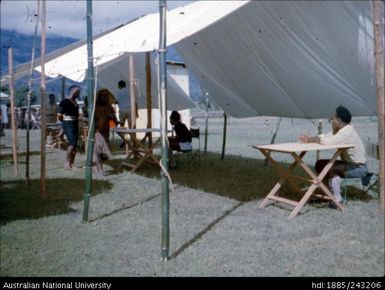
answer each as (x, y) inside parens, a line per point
(162, 91)
(29, 95)
(91, 131)
(149, 98)
(378, 27)
(43, 130)
(224, 135)
(13, 119)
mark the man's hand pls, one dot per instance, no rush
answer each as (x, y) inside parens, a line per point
(306, 139)
(303, 139)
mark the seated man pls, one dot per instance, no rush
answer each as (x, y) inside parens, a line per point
(182, 141)
(353, 160)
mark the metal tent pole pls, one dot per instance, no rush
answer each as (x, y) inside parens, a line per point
(162, 91)
(224, 135)
(207, 104)
(91, 130)
(148, 96)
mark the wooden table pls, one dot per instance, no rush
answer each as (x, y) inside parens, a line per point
(138, 150)
(298, 151)
(53, 130)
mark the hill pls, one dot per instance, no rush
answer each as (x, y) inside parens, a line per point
(22, 47)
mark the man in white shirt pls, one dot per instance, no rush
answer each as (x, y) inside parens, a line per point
(124, 103)
(353, 160)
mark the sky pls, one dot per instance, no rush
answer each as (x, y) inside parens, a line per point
(68, 18)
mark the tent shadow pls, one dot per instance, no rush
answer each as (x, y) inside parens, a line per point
(204, 231)
(19, 201)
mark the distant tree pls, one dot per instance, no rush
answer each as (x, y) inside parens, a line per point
(21, 94)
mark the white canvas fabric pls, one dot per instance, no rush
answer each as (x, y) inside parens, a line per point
(288, 58)
(277, 58)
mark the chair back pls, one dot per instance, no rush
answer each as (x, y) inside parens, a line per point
(195, 132)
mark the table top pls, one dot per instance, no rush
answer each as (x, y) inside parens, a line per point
(136, 130)
(299, 147)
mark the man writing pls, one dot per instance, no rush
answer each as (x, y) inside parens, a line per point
(353, 160)
(68, 114)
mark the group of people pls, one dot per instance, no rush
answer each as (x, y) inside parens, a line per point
(352, 163)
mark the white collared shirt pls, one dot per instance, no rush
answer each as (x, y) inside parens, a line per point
(347, 135)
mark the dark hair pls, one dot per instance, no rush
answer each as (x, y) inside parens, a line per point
(51, 95)
(343, 114)
(73, 87)
(175, 116)
(122, 84)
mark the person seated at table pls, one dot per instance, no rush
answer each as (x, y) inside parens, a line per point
(182, 141)
(353, 160)
(104, 112)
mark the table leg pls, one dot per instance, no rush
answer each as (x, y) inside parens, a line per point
(317, 181)
(282, 180)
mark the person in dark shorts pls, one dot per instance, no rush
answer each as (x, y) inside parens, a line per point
(68, 115)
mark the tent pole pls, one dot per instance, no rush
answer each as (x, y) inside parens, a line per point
(378, 27)
(132, 91)
(149, 98)
(224, 135)
(63, 85)
(207, 103)
(91, 130)
(319, 127)
(29, 95)
(276, 129)
(13, 120)
(43, 129)
(162, 90)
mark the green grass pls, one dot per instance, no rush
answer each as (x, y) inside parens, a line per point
(235, 177)
(19, 201)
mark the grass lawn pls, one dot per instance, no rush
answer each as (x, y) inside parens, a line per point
(235, 177)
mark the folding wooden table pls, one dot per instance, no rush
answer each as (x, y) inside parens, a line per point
(298, 151)
(138, 150)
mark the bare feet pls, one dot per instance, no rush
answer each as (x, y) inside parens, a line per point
(67, 165)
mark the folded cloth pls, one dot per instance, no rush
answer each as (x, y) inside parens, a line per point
(101, 146)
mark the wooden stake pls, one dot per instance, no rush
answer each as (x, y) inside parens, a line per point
(42, 103)
(13, 119)
(378, 27)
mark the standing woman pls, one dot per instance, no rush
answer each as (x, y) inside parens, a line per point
(68, 115)
(104, 113)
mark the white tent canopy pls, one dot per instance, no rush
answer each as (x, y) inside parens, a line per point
(287, 58)
(278, 58)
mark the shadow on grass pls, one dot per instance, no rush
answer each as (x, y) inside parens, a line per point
(235, 177)
(19, 201)
(8, 158)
